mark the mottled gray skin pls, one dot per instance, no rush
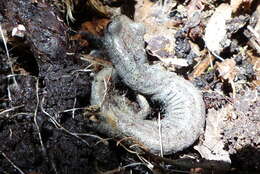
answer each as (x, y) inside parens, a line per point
(184, 108)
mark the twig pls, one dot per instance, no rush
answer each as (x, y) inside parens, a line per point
(74, 105)
(145, 161)
(132, 165)
(87, 69)
(7, 54)
(22, 113)
(15, 166)
(106, 89)
(8, 91)
(72, 110)
(11, 109)
(69, 9)
(91, 135)
(57, 125)
(116, 170)
(160, 133)
(35, 118)
(217, 56)
(127, 149)
(13, 76)
(96, 60)
(207, 165)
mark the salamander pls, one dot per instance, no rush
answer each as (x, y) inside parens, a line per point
(182, 104)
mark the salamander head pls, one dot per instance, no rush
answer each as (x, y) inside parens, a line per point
(124, 25)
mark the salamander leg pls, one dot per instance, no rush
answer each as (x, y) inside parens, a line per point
(144, 105)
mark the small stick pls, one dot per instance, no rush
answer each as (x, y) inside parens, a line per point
(57, 125)
(35, 119)
(7, 54)
(15, 166)
(160, 134)
(11, 109)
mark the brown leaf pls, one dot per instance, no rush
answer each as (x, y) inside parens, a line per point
(227, 69)
(201, 67)
(96, 26)
(212, 148)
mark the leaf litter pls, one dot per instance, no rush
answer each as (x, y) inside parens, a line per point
(213, 43)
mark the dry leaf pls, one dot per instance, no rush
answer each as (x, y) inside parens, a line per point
(215, 32)
(201, 67)
(212, 148)
(96, 26)
(143, 9)
(257, 16)
(195, 5)
(20, 70)
(155, 17)
(255, 61)
(254, 30)
(227, 69)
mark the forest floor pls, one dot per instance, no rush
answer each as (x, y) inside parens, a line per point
(47, 66)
